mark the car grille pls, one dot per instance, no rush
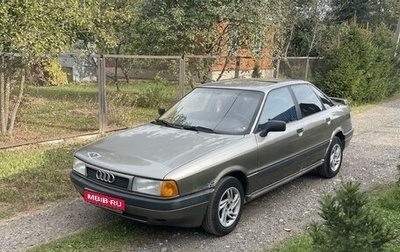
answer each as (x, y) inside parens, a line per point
(119, 181)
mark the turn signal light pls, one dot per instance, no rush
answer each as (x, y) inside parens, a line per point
(169, 188)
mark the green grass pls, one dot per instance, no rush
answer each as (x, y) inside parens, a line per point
(300, 243)
(59, 111)
(35, 176)
(38, 175)
(389, 204)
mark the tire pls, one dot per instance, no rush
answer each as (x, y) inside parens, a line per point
(333, 159)
(225, 207)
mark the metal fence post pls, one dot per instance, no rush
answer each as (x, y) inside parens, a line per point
(101, 79)
(182, 69)
(307, 68)
(278, 66)
(237, 67)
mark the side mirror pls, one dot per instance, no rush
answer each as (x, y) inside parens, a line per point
(161, 111)
(272, 126)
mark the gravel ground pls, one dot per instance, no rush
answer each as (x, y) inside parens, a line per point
(371, 159)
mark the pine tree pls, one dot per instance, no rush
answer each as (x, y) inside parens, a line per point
(349, 223)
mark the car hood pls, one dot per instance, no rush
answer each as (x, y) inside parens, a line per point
(151, 150)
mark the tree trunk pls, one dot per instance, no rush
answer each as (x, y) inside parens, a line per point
(8, 93)
(312, 43)
(224, 68)
(285, 58)
(125, 71)
(17, 103)
(3, 117)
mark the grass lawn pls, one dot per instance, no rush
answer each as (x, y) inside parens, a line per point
(35, 176)
(59, 111)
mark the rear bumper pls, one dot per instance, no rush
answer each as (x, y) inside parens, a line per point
(187, 211)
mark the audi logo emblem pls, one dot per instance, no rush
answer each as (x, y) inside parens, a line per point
(105, 176)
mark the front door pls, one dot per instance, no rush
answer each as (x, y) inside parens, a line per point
(279, 153)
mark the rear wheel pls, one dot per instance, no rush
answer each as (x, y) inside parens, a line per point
(333, 159)
(225, 207)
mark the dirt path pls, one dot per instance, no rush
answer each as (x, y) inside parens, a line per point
(371, 158)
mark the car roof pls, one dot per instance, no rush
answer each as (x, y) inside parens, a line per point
(252, 84)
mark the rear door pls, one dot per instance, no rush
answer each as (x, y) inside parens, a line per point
(316, 120)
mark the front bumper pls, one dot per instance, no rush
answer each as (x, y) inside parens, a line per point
(186, 211)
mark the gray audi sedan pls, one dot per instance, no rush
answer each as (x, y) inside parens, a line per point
(221, 146)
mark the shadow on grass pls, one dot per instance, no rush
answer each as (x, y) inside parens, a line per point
(69, 93)
(69, 129)
(35, 185)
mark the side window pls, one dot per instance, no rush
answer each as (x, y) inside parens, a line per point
(325, 99)
(278, 106)
(308, 100)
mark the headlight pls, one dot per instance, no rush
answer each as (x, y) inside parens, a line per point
(164, 188)
(79, 166)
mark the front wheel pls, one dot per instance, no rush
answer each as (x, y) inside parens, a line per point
(333, 159)
(225, 207)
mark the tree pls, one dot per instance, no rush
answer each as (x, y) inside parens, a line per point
(110, 28)
(347, 10)
(285, 18)
(29, 31)
(366, 12)
(198, 27)
(308, 28)
(359, 64)
(349, 223)
(210, 27)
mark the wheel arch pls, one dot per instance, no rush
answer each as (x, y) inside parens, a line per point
(236, 172)
(341, 136)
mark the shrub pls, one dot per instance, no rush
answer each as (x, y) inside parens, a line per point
(349, 223)
(256, 71)
(123, 99)
(48, 73)
(151, 97)
(155, 95)
(359, 65)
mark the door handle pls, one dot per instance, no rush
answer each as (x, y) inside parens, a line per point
(300, 131)
(328, 120)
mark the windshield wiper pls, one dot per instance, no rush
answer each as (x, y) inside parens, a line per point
(198, 128)
(166, 123)
(186, 127)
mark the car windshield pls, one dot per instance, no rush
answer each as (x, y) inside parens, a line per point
(225, 111)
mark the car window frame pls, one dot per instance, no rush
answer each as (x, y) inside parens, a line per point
(298, 113)
(308, 85)
(315, 90)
